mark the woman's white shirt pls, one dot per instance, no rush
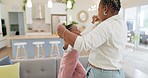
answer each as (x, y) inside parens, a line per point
(105, 43)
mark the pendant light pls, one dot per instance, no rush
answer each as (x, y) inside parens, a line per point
(29, 4)
(69, 4)
(50, 4)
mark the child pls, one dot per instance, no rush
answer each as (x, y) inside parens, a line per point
(70, 66)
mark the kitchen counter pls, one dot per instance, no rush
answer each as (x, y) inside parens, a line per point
(31, 48)
(2, 42)
(33, 37)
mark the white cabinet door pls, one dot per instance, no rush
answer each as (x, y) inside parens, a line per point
(2, 42)
(0, 22)
(1, 30)
(2, 12)
(47, 15)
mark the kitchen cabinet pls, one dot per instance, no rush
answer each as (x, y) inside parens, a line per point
(2, 11)
(1, 34)
(2, 42)
(2, 16)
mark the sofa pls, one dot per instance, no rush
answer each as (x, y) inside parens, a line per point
(43, 67)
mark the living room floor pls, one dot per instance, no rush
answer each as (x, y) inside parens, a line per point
(135, 62)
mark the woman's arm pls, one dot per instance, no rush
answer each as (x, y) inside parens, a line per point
(90, 41)
(68, 36)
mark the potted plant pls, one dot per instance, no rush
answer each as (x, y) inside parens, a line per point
(24, 6)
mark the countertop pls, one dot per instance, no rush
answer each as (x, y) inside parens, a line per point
(32, 37)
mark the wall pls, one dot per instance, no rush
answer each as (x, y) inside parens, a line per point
(132, 3)
(81, 5)
(40, 26)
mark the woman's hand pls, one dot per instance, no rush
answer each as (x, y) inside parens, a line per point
(60, 30)
(95, 18)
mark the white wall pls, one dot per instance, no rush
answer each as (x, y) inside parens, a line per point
(58, 8)
(82, 5)
(133, 3)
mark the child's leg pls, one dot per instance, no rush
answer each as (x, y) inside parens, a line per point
(80, 71)
(68, 64)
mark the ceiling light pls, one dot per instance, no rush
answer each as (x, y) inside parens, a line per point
(69, 4)
(50, 4)
(29, 4)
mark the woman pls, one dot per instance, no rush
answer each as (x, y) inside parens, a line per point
(105, 42)
(70, 66)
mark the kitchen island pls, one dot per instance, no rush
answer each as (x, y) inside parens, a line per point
(31, 48)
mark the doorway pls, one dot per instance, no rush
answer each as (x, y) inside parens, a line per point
(57, 19)
(16, 21)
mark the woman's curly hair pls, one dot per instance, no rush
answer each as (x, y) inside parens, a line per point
(114, 4)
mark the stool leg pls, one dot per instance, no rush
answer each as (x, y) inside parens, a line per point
(35, 54)
(58, 51)
(43, 51)
(38, 53)
(21, 47)
(51, 51)
(25, 53)
(54, 50)
(18, 47)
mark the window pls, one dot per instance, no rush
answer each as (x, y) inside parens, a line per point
(137, 26)
(144, 25)
(130, 19)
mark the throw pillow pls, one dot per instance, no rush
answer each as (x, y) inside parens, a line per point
(5, 61)
(10, 71)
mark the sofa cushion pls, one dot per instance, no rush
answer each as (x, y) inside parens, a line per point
(58, 61)
(84, 61)
(37, 68)
(10, 71)
(5, 61)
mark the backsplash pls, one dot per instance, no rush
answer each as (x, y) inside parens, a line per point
(39, 25)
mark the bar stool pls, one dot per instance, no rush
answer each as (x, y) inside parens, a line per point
(37, 52)
(54, 47)
(20, 48)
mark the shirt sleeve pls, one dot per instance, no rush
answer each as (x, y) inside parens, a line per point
(92, 40)
(69, 49)
(88, 29)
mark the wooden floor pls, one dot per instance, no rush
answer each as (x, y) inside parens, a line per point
(6, 51)
(135, 66)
